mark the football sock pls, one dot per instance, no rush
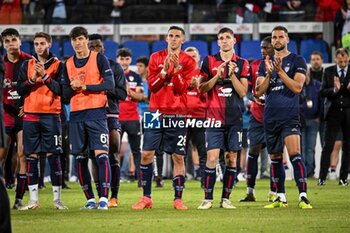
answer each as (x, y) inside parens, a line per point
(229, 179)
(282, 197)
(104, 173)
(178, 184)
(252, 169)
(146, 173)
(209, 182)
(84, 176)
(55, 169)
(115, 181)
(21, 185)
(278, 175)
(299, 172)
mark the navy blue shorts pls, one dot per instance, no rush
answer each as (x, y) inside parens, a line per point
(113, 124)
(169, 140)
(88, 135)
(43, 136)
(131, 128)
(276, 131)
(227, 138)
(256, 133)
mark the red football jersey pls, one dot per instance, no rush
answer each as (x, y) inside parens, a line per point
(257, 110)
(167, 93)
(224, 103)
(11, 99)
(128, 107)
(196, 102)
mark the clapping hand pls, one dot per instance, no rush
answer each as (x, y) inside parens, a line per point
(277, 64)
(174, 58)
(268, 65)
(232, 66)
(337, 83)
(195, 82)
(221, 70)
(76, 85)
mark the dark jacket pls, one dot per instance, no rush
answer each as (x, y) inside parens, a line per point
(312, 102)
(340, 99)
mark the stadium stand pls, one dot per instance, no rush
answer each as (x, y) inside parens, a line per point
(250, 49)
(56, 49)
(67, 49)
(138, 48)
(201, 45)
(111, 48)
(27, 47)
(310, 45)
(159, 45)
(293, 47)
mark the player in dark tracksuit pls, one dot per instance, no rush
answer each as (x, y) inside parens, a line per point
(113, 98)
(256, 133)
(86, 78)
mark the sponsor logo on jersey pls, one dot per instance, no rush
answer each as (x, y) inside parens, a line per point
(225, 92)
(13, 95)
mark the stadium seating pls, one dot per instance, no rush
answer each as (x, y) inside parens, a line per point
(111, 48)
(292, 46)
(56, 49)
(27, 46)
(159, 45)
(310, 45)
(67, 49)
(215, 48)
(138, 48)
(250, 49)
(201, 45)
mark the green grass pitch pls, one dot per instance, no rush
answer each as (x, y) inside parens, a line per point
(331, 212)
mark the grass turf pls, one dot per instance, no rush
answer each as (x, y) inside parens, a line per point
(331, 211)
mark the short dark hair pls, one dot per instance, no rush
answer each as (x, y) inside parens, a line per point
(267, 39)
(177, 28)
(9, 32)
(280, 28)
(342, 51)
(225, 29)
(95, 36)
(143, 59)
(317, 53)
(43, 35)
(124, 52)
(78, 31)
